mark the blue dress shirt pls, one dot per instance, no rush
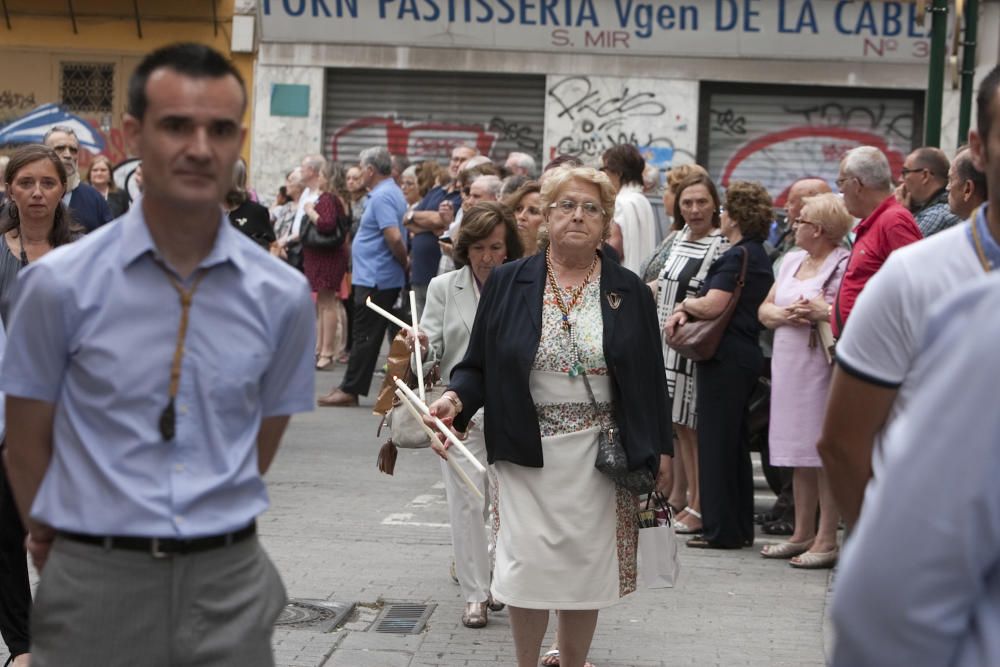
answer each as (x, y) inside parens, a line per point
(919, 586)
(373, 263)
(93, 330)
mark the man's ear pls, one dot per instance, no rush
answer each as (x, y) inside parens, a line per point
(131, 127)
(968, 188)
(976, 148)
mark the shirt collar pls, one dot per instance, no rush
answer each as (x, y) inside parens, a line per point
(136, 241)
(874, 215)
(990, 246)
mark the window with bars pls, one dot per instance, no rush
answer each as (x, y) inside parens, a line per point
(88, 86)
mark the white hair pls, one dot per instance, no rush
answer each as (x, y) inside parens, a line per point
(491, 182)
(870, 166)
(524, 161)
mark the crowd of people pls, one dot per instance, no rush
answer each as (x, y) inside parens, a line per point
(551, 300)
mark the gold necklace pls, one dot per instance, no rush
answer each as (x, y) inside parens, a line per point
(577, 367)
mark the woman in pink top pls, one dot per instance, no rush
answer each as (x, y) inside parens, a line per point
(798, 304)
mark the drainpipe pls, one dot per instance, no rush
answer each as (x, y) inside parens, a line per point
(968, 69)
(935, 76)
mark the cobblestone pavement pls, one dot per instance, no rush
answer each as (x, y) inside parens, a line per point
(340, 530)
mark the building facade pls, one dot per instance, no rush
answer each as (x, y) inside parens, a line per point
(79, 56)
(767, 90)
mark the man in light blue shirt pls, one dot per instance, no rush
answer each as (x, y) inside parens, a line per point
(379, 271)
(151, 371)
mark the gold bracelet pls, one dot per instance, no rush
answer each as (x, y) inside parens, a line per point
(454, 400)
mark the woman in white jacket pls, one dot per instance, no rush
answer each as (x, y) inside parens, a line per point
(487, 238)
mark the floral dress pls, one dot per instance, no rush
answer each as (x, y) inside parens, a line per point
(537, 547)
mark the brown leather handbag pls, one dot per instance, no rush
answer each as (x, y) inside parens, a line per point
(698, 340)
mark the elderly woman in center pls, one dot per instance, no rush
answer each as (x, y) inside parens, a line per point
(486, 239)
(726, 381)
(797, 304)
(546, 325)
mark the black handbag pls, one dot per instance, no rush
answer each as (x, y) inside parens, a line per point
(316, 240)
(611, 457)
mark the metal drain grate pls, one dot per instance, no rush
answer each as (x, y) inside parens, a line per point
(322, 615)
(404, 618)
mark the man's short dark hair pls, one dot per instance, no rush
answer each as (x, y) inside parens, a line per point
(933, 160)
(984, 103)
(626, 161)
(194, 60)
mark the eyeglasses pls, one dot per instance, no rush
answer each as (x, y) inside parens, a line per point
(799, 221)
(905, 170)
(568, 207)
(841, 181)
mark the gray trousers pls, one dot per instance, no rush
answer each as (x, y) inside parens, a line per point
(125, 608)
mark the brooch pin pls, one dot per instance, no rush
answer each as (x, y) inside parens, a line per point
(614, 300)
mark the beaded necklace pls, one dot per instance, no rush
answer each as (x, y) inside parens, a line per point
(566, 308)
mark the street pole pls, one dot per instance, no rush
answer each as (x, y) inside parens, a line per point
(968, 68)
(935, 76)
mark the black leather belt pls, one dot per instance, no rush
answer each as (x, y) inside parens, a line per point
(160, 547)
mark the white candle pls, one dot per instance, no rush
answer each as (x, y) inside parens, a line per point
(386, 314)
(430, 434)
(448, 433)
(416, 335)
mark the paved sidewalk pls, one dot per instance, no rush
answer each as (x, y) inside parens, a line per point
(340, 530)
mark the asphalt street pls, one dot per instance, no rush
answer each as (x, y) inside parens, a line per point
(339, 530)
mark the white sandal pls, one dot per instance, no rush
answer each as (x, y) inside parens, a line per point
(682, 528)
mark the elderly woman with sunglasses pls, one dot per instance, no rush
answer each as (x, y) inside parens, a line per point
(547, 325)
(797, 304)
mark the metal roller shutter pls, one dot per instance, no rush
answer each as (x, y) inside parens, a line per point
(777, 135)
(422, 115)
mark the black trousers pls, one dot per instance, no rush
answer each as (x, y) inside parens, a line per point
(368, 329)
(15, 594)
(725, 473)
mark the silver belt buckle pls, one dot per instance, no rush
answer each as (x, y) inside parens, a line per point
(155, 552)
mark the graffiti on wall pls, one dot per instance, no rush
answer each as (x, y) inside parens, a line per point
(425, 140)
(586, 115)
(805, 139)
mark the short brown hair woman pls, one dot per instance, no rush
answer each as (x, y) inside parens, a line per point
(726, 381)
(486, 239)
(33, 221)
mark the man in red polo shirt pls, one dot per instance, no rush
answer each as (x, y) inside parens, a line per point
(866, 183)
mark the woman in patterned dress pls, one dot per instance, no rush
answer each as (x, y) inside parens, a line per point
(544, 322)
(697, 245)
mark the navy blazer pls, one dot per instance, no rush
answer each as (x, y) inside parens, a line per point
(89, 207)
(502, 350)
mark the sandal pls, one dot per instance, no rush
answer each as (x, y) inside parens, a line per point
(324, 362)
(816, 560)
(684, 528)
(475, 615)
(785, 549)
(551, 659)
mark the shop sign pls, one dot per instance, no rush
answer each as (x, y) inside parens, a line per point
(869, 30)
